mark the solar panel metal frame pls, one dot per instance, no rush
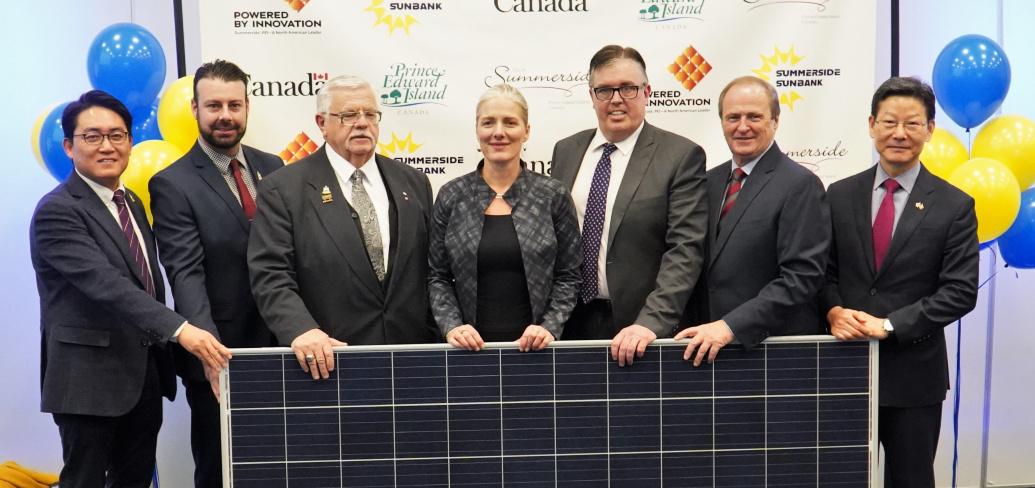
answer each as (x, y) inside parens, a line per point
(226, 408)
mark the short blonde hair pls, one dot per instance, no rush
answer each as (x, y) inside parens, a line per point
(507, 92)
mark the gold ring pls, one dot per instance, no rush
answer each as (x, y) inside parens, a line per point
(310, 358)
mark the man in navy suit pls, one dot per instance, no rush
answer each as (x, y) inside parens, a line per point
(903, 265)
(104, 363)
(768, 232)
(203, 206)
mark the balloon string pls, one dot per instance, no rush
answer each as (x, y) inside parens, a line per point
(970, 149)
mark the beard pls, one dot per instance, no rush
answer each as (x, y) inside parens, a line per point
(208, 133)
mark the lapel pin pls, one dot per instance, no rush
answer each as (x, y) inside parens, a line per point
(919, 205)
(258, 175)
(325, 195)
(406, 197)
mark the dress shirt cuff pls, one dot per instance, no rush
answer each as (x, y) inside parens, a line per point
(176, 335)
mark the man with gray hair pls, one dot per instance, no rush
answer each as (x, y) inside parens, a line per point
(338, 251)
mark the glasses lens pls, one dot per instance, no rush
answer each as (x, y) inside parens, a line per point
(628, 91)
(117, 137)
(604, 93)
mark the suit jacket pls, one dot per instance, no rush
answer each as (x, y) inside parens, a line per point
(97, 320)
(658, 223)
(767, 259)
(203, 238)
(928, 280)
(548, 235)
(309, 266)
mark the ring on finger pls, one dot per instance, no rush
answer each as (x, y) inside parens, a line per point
(309, 358)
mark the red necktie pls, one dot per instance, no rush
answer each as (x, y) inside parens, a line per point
(732, 190)
(247, 202)
(884, 224)
(134, 244)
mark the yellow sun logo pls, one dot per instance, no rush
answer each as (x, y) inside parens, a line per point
(399, 145)
(780, 58)
(392, 21)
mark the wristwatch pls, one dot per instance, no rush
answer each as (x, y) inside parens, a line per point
(890, 329)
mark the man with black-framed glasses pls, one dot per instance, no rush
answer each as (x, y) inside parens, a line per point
(339, 246)
(641, 202)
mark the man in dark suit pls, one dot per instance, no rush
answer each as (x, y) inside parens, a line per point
(768, 232)
(104, 366)
(202, 206)
(339, 246)
(903, 265)
(639, 192)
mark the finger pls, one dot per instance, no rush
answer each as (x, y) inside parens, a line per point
(477, 339)
(215, 389)
(328, 354)
(701, 353)
(541, 340)
(689, 352)
(321, 365)
(300, 356)
(453, 340)
(524, 341)
(336, 342)
(641, 346)
(683, 334)
(616, 346)
(464, 341)
(628, 351)
(547, 339)
(714, 353)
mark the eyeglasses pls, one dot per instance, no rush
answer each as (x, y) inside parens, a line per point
(96, 138)
(606, 93)
(351, 118)
(912, 127)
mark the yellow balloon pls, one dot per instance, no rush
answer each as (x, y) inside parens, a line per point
(943, 153)
(175, 118)
(996, 194)
(1011, 140)
(36, 136)
(148, 158)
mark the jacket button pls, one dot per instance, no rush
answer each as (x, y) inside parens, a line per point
(145, 343)
(873, 291)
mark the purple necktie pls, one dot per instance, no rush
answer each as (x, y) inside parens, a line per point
(884, 224)
(134, 244)
(593, 224)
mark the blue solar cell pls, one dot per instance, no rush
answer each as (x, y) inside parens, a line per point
(528, 429)
(419, 377)
(421, 431)
(312, 434)
(844, 468)
(681, 379)
(635, 426)
(314, 475)
(641, 381)
(480, 472)
(739, 372)
(367, 432)
(740, 469)
(257, 382)
(376, 474)
(524, 472)
(474, 376)
(260, 475)
(791, 421)
(474, 430)
(582, 472)
(687, 425)
(258, 436)
(843, 421)
(791, 369)
(581, 427)
(844, 367)
(364, 378)
(581, 374)
(433, 473)
(688, 470)
(739, 423)
(527, 375)
(639, 470)
(792, 468)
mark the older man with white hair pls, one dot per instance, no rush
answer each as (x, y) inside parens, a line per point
(339, 247)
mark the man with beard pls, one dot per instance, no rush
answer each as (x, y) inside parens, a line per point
(203, 206)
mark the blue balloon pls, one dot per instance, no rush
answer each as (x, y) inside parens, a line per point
(971, 77)
(52, 137)
(127, 61)
(1017, 244)
(145, 124)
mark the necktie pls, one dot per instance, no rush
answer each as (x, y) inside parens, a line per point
(732, 190)
(247, 202)
(593, 224)
(884, 223)
(134, 245)
(368, 222)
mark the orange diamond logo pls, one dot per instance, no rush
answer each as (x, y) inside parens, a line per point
(296, 5)
(689, 68)
(300, 147)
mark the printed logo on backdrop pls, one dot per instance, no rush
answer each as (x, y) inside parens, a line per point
(540, 6)
(688, 69)
(555, 88)
(405, 150)
(812, 11)
(818, 5)
(411, 87)
(299, 147)
(794, 78)
(400, 16)
(826, 159)
(670, 11)
(305, 85)
(288, 21)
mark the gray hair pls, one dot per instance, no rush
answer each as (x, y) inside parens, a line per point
(506, 92)
(339, 83)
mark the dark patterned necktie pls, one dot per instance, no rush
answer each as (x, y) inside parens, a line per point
(732, 190)
(593, 225)
(134, 245)
(247, 202)
(884, 223)
(368, 222)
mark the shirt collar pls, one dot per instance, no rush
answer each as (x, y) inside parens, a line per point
(750, 165)
(222, 161)
(104, 193)
(625, 146)
(344, 168)
(905, 180)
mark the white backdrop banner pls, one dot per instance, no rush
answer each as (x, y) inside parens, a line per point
(430, 61)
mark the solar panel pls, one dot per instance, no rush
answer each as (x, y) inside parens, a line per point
(795, 411)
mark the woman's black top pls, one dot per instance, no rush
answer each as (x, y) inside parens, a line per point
(503, 306)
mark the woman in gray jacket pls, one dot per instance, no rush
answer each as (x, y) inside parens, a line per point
(505, 251)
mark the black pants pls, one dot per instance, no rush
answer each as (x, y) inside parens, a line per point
(114, 452)
(590, 321)
(205, 444)
(910, 438)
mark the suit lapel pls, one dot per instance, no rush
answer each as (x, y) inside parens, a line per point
(862, 199)
(337, 219)
(755, 183)
(567, 173)
(407, 215)
(639, 161)
(912, 216)
(97, 210)
(716, 182)
(211, 176)
(144, 225)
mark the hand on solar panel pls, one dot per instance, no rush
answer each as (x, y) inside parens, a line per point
(847, 324)
(708, 339)
(535, 338)
(212, 375)
(314, 350)
(630, 343)
(465, 337)
(204, 345)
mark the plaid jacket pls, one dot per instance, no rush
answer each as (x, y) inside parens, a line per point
(548, 234)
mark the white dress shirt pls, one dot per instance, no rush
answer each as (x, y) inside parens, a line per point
(375, 187)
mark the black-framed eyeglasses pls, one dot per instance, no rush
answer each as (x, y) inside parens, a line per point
(350, 118)
(606, 93)
(96, 138)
